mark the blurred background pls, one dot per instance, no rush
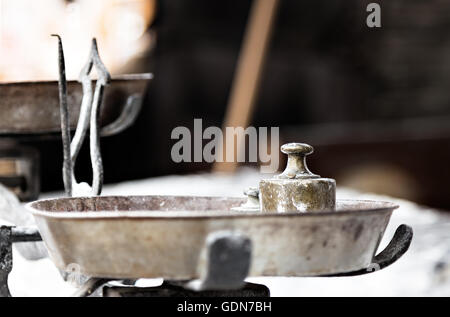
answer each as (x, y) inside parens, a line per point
(374, 102)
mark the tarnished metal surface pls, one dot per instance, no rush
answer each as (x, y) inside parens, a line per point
(33, 107)
(252, 203)
(297, 188)
(228, 258)
(166, 236)
(89, 118)
(307, 195)
(8, 235)
(5, 260)
(398, 246)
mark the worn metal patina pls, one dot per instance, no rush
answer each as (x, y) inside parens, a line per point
(166, 236)
(297, 189)
(252, 203)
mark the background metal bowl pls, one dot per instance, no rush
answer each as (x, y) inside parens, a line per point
(33, 107)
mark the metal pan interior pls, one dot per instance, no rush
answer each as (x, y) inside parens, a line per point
(177, 206)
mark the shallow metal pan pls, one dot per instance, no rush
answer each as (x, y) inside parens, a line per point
(166, 236)
(33, 107)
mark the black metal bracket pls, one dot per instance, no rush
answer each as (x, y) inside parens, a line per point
(8, 236)
(395, 249)
(168, 289)
(127, 117)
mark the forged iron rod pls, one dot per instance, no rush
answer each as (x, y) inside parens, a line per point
(65, 124)
(89, 118)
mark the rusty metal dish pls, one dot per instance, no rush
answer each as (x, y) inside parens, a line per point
(166, 236)
(33, 107)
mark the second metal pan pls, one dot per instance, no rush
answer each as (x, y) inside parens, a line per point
(33, 107)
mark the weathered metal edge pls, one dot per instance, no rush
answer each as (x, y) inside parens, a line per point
(225, 214)
(123, 77)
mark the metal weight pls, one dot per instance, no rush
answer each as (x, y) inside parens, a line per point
(297, 189)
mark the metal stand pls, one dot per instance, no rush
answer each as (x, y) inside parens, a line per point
(168, 289)
(89, 118)
(8, 236)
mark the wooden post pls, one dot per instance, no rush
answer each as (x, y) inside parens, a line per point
(248, 75)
